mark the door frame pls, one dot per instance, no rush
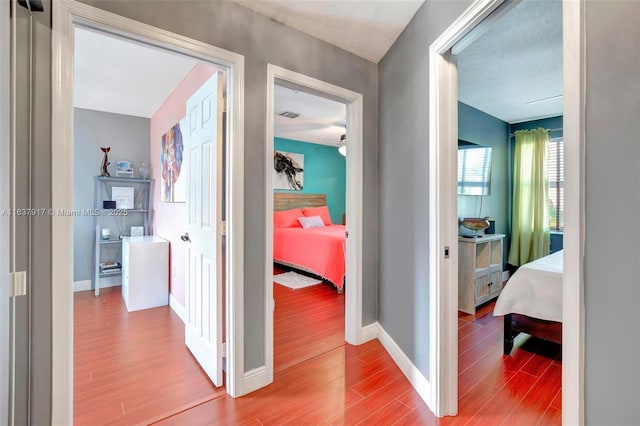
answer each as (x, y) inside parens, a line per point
(353, 291)
(6, 348)
(443, 229)
(66, 15)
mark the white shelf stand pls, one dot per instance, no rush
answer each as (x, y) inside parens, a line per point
(120, 221)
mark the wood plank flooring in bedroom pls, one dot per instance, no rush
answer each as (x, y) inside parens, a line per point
(344, 385)
(307, 322)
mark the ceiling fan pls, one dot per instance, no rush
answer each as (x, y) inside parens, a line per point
(342, 145)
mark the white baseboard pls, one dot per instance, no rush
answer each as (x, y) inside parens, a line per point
(104, 283)
(369, 332)
(254, 380)
(177, 308)
(411, 372)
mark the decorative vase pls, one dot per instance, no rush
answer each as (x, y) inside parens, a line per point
(105, 161)
(143, 170)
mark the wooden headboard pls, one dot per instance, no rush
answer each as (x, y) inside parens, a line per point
(288, 200)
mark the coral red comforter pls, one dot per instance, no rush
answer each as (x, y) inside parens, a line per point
(320, 251)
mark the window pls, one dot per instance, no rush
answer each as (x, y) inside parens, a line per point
(555, 171)
(474, 170)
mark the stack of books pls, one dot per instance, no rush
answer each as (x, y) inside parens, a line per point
(110, 267)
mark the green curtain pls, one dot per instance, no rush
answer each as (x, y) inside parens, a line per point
(530, 220)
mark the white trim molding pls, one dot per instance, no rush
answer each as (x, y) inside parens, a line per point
(353, 289)
(443, 124)
(419, 382)
(104, 283)
(369, 332)
(177, 308)
(83, 285)
(573, 327)
(66, 15)
(255, 379)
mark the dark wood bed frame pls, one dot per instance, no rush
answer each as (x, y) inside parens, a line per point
(514, 324)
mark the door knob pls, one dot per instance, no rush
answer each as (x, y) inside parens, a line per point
(185, 238)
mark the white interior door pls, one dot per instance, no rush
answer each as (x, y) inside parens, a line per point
(203, 152)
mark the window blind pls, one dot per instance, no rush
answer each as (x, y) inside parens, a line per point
(474, 171)
(555, 171)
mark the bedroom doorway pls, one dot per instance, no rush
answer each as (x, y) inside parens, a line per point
(154, 280)
(343, 286)
(489, 160)
(443, 218)
(309, 225)
(68, 19)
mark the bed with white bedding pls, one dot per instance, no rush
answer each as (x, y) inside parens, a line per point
(531, 301)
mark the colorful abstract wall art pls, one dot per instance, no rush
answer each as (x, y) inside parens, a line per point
(173, 181)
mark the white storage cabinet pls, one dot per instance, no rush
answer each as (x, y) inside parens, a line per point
(145, 272)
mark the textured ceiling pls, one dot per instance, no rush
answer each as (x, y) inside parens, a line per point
(124, 77)
(367, 28)
(321, 120)
(518, 60)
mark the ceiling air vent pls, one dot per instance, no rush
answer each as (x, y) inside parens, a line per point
(289, 114)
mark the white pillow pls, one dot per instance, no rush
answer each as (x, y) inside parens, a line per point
(311, 222)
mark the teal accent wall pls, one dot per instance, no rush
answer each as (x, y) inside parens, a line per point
(325, 172)
(484, 129)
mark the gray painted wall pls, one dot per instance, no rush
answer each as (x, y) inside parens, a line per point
(612, 257)
(404, 180)
(484, 129)
(261, 41)
(612, 154)
(612, 199)
(5, 321)
(20, 225)
(129, 139)
(481, 128)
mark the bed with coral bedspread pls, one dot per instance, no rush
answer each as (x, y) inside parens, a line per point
(317, 249)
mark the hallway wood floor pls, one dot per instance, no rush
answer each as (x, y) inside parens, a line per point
(307, 322)
(346, 385)
(131, 366)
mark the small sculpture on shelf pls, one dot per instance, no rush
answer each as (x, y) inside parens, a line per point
(105, 161)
